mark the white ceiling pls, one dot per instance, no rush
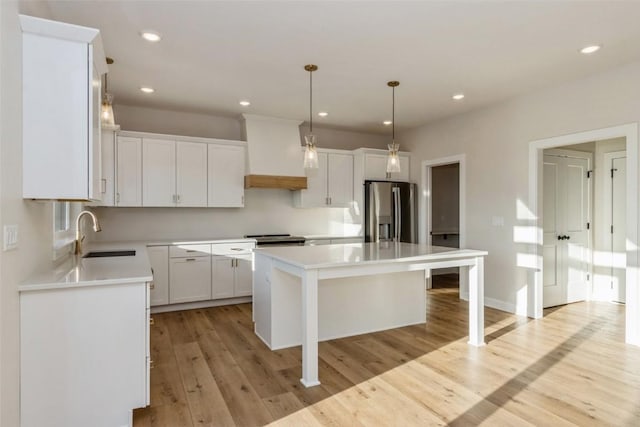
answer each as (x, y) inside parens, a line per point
(213, 53)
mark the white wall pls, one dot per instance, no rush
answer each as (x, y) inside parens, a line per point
(344, 139)
(496, 143)
(34, 219)
(265, 211)
(156, 120)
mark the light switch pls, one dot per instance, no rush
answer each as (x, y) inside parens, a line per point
(10, 237)
(497, 221)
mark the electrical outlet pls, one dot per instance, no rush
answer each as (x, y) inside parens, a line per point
(10, 237)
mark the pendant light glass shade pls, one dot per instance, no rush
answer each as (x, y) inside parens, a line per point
(107, 110)
(310, 153)
(393, 161)
(106, 113)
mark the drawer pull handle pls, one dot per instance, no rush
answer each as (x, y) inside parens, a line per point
(190, 259)
(151, 321)
(152, 285)
(237, 249)
(191, 250)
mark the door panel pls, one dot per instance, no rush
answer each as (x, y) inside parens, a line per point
(158, 172)
(129, 172)
(619, 222)
(316, 192)
(191, 174)
(244, 277)
(189, 279)
(566, 237)
(340, 179)
(226, 175)
(222, 277)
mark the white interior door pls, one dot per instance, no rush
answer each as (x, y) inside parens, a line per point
(618, 225)
(566, 233)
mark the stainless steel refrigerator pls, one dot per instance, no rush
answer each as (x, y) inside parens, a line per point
(391, 212)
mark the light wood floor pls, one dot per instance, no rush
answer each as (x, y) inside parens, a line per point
(570, 368)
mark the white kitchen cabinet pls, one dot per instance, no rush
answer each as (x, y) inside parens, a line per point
(222, 277)
(159, 260)
(107, 167)
(226, 175)
(189, 279)
(82, 348)
(158, 172)
(375, 167)
(62, 66)
(128, 171)
(244, 276)
(231, 276)
(331, 185)
(191, 174)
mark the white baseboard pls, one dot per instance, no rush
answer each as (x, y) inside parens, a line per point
(494, 303)
(199, 304)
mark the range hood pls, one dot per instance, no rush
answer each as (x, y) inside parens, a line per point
(274, 153)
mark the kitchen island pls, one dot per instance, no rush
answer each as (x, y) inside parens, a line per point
(303, 295)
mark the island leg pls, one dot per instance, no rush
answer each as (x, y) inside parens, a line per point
(476, 302)
(310, 329)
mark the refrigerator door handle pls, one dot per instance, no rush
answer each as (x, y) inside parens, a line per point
(397, 214)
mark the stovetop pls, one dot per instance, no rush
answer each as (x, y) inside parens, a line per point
(267, 239)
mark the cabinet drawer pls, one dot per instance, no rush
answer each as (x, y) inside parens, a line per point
(231, 249)
(189, 251)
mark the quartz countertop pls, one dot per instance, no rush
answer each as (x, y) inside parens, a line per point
(81, 272)
(326, 256)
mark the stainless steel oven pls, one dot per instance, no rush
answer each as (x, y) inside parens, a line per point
(271, 240)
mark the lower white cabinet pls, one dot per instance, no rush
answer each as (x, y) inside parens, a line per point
(159, 260)
(231, 276)
(189, 279)
(84, 355)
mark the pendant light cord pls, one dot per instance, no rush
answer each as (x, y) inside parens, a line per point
(393, 114)
(310, 101)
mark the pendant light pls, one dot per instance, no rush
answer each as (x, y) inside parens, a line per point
(393, 162)
(310, 153)
(107, 102)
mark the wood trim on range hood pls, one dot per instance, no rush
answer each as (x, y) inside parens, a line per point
(275, 181)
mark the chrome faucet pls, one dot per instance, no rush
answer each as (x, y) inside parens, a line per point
(79, 238)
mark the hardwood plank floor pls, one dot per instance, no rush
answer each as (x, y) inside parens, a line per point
(570, 368)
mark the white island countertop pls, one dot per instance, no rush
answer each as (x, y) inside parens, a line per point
(81, 272)
(327, 256)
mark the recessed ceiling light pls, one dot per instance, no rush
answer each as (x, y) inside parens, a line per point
(150, 36)
(590, 49)
(323, 114)
(387, 122)
(245, 103)
(458, 96)
(147, 89)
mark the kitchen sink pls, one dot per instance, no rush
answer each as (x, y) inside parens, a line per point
(104, 254)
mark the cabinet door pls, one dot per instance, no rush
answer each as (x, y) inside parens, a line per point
(340, 179)
(95, 147)
(316, 193)
(243, 277)
(226, 175)
(375, 166)
(108, 149)
(159, 260)
(158, 172)
(129, 172)
(191, 174)
(403, 175)
(189, 279)
(56, 125)
(222, 277)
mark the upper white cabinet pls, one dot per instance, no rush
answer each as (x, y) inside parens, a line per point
(128, 171)
(175, 171)
(375, 167)
(226, 175)
(191, 174)
(62, 66)
(158, 172)
(331, 185)
(107, 167)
